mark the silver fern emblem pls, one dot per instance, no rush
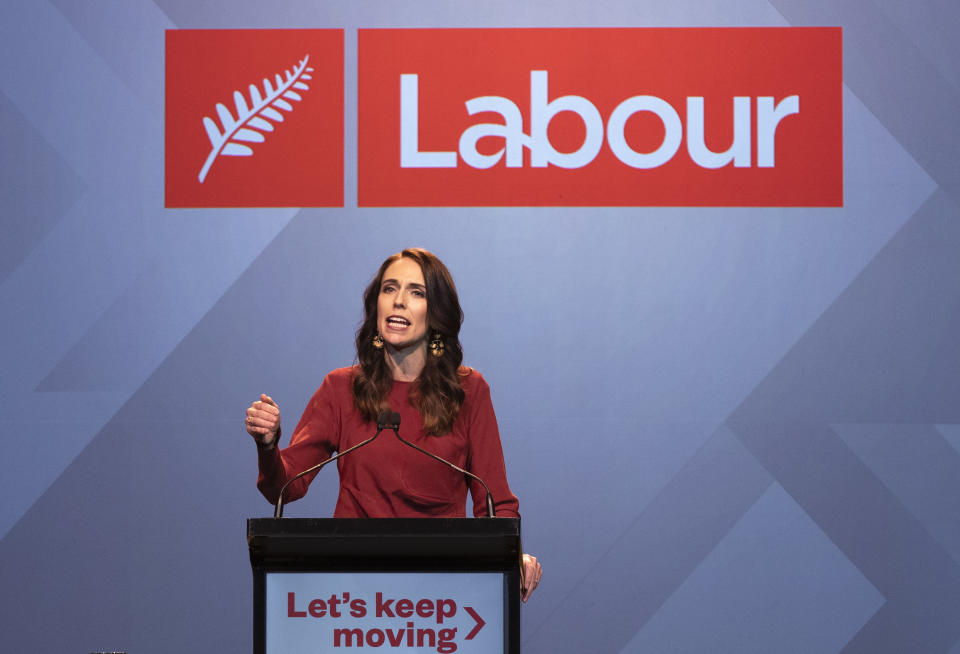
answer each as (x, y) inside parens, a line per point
(252, 119)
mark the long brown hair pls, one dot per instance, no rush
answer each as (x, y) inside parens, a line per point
(438, 395)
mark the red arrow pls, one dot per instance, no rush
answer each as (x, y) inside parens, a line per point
(480, 622)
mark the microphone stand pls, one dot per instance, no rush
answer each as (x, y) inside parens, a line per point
(395, 426)
(383, 422)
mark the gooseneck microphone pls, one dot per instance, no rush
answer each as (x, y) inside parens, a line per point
(384, 421)
(395, 426)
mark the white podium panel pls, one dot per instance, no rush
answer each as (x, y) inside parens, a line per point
(416, 612)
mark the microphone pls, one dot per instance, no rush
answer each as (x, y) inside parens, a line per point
(384, 421)
(395, 426)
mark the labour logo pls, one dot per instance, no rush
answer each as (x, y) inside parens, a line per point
(600, 117)
(254, 118)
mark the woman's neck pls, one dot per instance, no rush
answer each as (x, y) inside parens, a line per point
(406, 365)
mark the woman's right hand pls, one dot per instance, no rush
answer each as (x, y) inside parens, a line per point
(263, 421)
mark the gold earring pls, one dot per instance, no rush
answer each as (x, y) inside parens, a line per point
(436, 345)
(378, 341)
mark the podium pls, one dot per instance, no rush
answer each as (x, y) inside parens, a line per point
(410, 585)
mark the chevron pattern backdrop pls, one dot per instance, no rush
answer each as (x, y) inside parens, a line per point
(731, 430)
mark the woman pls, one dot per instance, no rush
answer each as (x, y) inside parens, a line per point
(409, 356)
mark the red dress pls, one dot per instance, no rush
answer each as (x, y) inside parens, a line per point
(387, 479)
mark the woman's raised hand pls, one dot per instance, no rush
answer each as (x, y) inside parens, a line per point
(263, 421)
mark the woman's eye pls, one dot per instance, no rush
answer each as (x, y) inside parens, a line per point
(420, 294)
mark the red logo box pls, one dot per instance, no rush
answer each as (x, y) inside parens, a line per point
(600, 117)
(254, 118)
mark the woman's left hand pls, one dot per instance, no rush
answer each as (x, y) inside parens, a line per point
(530, 573)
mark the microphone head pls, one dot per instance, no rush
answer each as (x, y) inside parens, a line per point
(394, 420)
(383, 419)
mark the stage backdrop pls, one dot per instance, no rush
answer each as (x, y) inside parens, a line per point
(729, 396)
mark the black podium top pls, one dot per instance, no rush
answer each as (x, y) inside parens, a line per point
(383, 543)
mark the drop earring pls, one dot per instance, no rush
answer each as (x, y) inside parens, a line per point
(378, 341)
(436, 345)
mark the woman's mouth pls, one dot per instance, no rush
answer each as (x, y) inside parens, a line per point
(397, 323)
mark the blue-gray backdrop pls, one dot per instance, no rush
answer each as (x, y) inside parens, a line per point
(731, 430)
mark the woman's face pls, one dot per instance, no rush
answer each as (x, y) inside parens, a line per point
(402, 305)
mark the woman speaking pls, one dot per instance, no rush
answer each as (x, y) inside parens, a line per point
(409, 356)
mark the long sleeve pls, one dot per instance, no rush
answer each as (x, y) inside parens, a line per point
(314, 439)
(485, 453)
(387, 478)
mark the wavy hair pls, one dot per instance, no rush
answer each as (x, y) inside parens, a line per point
(438, 395)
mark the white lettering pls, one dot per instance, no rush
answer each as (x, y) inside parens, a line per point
(543, 110)
(511, 131)
(410, 154)
(673, 131)
(768, 117)
(739, 152)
